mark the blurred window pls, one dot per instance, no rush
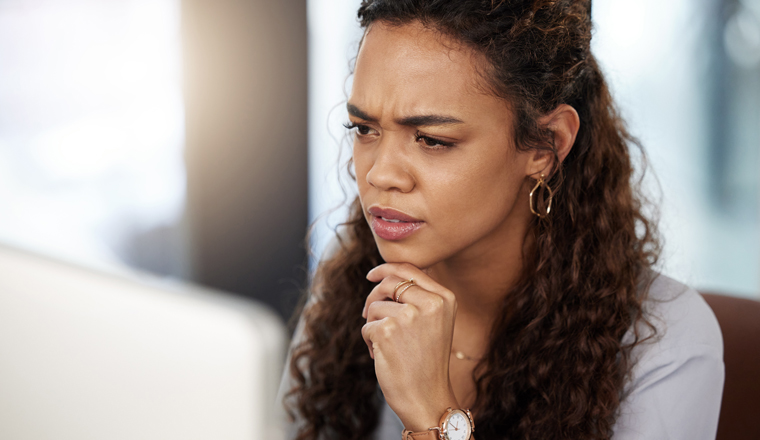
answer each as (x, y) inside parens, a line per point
(687, 77)
(91, 126)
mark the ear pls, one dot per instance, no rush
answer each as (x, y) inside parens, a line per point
(564, 124)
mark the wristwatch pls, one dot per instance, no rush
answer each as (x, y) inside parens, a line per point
(455, 424)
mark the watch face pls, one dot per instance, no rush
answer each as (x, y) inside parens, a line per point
(457, 426)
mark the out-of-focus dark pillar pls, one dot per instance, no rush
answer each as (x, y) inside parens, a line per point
(245, 99)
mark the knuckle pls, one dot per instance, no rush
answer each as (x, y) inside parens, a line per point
(449, 296)
(436, 303)
(388, 328)
(408, 314)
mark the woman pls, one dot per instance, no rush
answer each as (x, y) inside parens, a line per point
(497, 259)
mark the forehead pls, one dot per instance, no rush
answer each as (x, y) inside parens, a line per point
(413, 69)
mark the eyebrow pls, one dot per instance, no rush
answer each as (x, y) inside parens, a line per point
(412, 121)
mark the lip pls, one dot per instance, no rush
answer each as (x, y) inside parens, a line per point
(403, 226)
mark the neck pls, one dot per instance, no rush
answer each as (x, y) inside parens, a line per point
(481, 277)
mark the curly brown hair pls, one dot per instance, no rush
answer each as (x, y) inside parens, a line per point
(557, 364)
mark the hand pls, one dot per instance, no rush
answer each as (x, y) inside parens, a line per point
(410, 342)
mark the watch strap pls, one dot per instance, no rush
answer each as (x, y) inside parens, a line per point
(436, 432)
(430, 434)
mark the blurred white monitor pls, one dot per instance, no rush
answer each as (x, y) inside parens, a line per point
(88, 355)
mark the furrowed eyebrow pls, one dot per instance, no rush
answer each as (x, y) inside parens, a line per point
(428, 120)
(412, 121)
(356, 111)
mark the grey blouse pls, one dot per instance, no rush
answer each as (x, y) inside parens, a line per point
(676, 384)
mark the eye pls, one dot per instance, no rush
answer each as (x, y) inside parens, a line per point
(361, 129)
(431, 142)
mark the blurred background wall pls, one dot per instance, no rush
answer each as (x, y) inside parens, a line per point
(171, 135)
(246, 146)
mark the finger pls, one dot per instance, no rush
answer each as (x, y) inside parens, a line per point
(425, 302)
(387, 291)
(400, 298)
(411, 298)
(383, 309)
(403, 271)
(377, 334)
(368, 331)
(407, 271)
(382, 292)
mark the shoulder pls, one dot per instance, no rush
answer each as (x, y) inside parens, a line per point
(681, 318)
(676, 381)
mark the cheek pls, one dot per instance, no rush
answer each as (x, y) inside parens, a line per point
(478, 197)
(476, 200)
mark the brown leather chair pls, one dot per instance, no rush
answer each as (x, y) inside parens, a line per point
(739, 320)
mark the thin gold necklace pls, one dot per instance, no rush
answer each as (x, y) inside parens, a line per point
(461, 356)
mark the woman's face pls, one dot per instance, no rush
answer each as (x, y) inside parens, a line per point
(438, 175)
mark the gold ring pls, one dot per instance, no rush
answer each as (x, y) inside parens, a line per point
(399, 285)
(404, 289)
(402, 283)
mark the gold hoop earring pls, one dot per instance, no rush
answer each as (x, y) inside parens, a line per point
(539, 183)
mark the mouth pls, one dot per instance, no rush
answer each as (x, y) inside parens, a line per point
(393, 225)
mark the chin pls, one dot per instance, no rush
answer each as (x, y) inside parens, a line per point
(400, 252)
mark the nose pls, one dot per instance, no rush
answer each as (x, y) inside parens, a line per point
(390, 169)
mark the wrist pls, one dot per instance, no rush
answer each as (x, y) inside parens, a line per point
(454, 424)
(429, 415)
